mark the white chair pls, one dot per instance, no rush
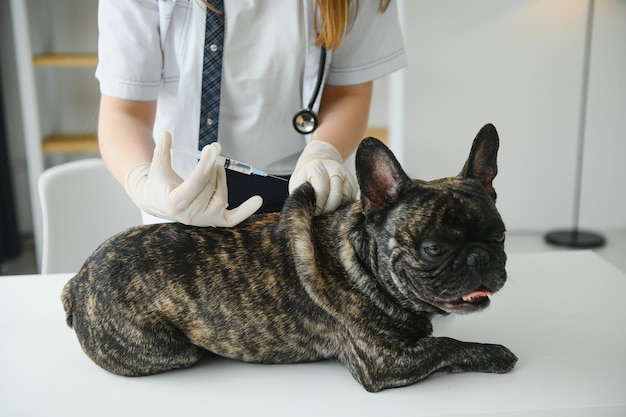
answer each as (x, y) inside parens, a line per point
(82, 206)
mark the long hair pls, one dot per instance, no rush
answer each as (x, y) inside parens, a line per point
(335, 18)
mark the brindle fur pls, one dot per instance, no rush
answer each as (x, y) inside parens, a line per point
(356, 285)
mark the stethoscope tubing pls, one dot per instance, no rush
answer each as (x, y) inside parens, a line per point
(320, 78)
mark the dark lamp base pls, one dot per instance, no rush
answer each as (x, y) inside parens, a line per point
(575, 239)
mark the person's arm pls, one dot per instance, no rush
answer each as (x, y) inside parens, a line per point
(145, 170)
(343, 116)
(125, 134)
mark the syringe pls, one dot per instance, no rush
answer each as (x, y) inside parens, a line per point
(229, 163)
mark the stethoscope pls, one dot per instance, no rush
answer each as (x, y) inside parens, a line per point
(305, 121)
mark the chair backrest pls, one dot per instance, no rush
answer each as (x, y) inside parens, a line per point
(82, 206)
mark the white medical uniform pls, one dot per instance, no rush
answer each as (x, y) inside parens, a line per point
(153, 50)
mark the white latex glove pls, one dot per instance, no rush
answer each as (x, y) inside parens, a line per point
(201, 200)
(321, 165)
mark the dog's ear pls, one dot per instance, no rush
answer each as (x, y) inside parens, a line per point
(482, 163)
(380, 176)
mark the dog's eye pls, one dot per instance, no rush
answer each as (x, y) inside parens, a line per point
(435, 250)
(499, 238)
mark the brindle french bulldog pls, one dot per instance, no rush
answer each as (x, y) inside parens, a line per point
(359, 285)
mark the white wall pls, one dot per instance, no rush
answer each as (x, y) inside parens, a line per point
(518, 64)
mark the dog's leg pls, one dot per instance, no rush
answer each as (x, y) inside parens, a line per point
(128, 348)
(387, 368)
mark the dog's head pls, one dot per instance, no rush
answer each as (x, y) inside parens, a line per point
(439, 244)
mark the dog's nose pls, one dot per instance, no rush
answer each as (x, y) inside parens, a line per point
(473, 259)
(478, 259)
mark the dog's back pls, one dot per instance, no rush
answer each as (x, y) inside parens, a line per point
(175, 291)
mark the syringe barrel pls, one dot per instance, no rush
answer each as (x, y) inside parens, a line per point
(227, 163)
(233, 165)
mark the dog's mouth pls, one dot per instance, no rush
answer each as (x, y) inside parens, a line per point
(477, 296)
(470, 302)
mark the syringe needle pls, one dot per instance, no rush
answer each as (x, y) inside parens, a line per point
(277, 178)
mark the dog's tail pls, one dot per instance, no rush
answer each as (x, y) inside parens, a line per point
(68, 303)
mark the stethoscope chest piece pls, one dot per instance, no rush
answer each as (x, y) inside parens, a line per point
(305, 121)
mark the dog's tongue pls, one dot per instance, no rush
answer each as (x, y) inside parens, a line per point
(476, 296)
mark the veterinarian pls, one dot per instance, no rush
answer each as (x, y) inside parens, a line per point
(277, 57)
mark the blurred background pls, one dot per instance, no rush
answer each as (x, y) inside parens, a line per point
(515, 63)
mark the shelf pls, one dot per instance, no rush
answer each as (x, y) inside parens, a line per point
(380, 133)
(65, 60)
(70, 142)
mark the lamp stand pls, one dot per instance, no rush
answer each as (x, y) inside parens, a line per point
(575, 238)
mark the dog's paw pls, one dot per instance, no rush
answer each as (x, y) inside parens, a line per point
(499, 359)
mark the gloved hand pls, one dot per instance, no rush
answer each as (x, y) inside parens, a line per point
(321, 165)
(201, 200)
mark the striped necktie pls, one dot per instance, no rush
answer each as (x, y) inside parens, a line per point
(211, 74)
